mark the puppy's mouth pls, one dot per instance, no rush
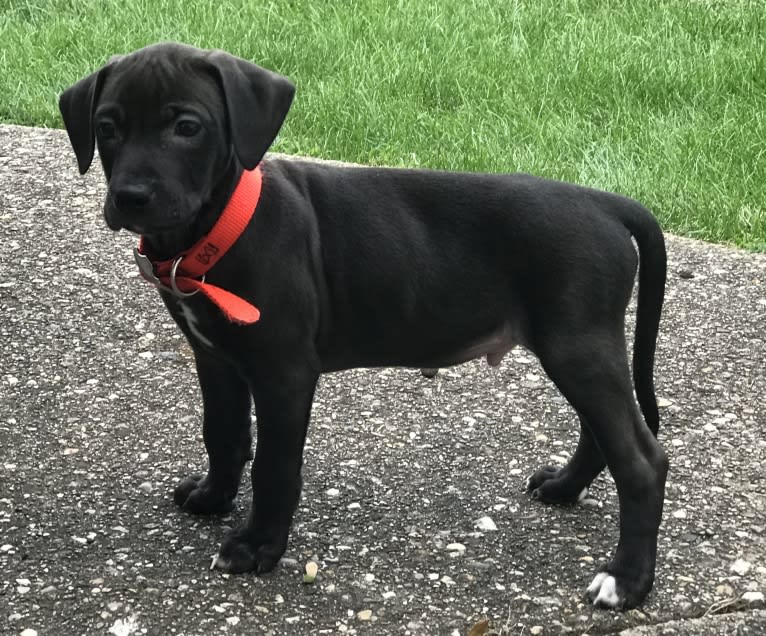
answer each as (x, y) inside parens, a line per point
(146, 220)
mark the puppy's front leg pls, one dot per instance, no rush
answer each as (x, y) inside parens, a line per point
(282, 412)
(226, 431)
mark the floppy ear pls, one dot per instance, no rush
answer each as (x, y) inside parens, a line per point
(77, 104)
(257, 102)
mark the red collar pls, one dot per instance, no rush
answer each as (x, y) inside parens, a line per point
(180, 275)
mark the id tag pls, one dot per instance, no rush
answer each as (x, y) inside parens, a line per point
(147, 270)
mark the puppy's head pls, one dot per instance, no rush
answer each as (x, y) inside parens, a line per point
(168, 120)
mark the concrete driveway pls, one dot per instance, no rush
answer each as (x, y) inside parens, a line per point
(99, 416)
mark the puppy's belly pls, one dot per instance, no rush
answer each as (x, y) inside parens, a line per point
(494, 347)
(420, 347)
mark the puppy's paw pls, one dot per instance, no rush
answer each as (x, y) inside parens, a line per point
(553, 485)
(618, 592)
(196, 494)
(241, 552)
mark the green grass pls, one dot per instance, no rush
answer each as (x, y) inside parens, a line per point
(663, 100)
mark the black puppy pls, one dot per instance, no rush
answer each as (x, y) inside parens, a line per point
(342, 267)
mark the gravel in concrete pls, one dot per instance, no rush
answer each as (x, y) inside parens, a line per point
(413, 508)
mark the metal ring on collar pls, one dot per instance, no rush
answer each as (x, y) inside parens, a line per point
(173, 285)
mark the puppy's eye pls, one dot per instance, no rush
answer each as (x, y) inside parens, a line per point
(106, 130)
(187, 127)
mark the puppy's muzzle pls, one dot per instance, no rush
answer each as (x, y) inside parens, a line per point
(132, 196)
(132, 205)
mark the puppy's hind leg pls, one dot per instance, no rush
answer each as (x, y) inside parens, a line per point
(569, 484)
(226, 431)
(591, 370)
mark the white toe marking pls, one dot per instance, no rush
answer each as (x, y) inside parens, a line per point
(597, 581)
(608, 595)
(583, 494)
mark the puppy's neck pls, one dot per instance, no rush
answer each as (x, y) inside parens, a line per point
(166, 245)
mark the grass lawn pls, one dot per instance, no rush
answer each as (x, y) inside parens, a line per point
(663, 100)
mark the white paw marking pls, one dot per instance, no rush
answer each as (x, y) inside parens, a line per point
(191, 320)
(583, 494)
(596, 583)
(606, 586)
(219, 563)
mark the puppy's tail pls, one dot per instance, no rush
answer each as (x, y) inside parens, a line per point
(651, 293)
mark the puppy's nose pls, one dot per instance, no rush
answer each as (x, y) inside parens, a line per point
(131, 195)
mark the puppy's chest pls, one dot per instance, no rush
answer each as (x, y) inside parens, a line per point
(197, 324)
